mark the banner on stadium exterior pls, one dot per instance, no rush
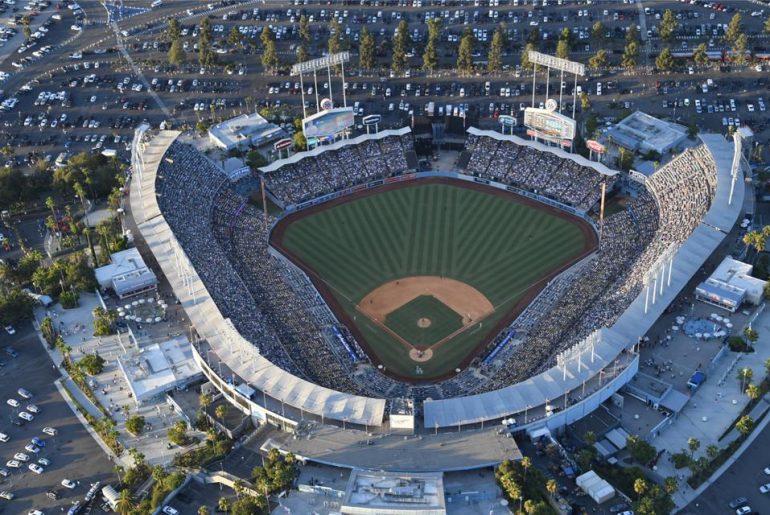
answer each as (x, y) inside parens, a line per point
(566, 143)
(507, 120)
(595, 146)
(283, 143)
(372, 119)
(328, 123)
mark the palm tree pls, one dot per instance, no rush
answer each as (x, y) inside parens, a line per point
(118, 469)
(670, 485)
(526, 462)
(693, 444)
(640, 486)
(124, 504)
(205, 400)
(712, 451)
(753, 392)
(224, 504)
(552, 486)
(203, 510)
(50, 204)
(589, 438)
(221, 412)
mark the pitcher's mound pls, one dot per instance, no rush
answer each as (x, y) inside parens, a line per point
(424, 323)
(420, 355)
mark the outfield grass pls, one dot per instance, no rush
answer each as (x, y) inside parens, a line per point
(443, 321)
(499, 245)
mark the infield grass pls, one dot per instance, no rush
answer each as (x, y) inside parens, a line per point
(443, 321)
(499, 245)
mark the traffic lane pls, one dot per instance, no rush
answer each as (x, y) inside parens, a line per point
(742, 479)
(73, 453)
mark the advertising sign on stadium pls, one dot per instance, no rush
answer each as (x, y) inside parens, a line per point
(326, 104)
(506, 120)
(595, 146)
(283, 143)
(328, 123)
(551, 125)
(372, 119)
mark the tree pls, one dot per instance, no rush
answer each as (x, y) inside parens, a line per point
(664, 61)
(599, 61)
(640, 486)
(177, 434)
(668, 26)
(693, 444)
(753, 392)
(304, 29)
(670, 485)
(234, 38)
(124, 504)
(625, 159)
(402, 42)
(745, 375)
(632, 34)
(699, 55)
(176, 53)
(766, 26)
(767, 366)
(224, 504)
(526, 463)
(248, 505)
(740, 46)
(589, 437)
(734, 28)
(221, 412)
(269, 54)
(598, 33)
(135, 425)
(300, 143)
(562, 49)
(495, 57)
(525, 64)
(585, 103)
(93, 364)
(744, 425)
(430, 56)
(630, 54)
(534, 36)
(203, 510)
(751, 335)
(205, 400)
(366, 50)
(712, 451)
(15, 305)
(552, 487)
(334, 43)
(641, 451)
(465, 53)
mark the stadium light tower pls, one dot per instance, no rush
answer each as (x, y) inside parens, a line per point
(338, 59)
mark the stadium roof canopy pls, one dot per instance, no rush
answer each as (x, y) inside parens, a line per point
(240, 355)
(630, 326)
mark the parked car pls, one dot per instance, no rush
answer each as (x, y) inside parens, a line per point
(34, 467)
(50, 431)
(13, 403)
(7, 495)
(68, 483)
(737, 502)
(26, 416)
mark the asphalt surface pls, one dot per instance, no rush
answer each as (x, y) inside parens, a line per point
(742, 479)
(73, 453)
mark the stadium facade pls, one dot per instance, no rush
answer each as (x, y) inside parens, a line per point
(585, 374)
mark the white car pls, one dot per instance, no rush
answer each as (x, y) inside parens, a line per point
(33, 409)
(767, 471)
(10, 330)
(764, 488)
(68, 484)
(26, 416)
(50, 431)
(34, 467)
(743, 510)
(170, 511)
(34, 449)
(44, 462)
(21, 456)
(13, 403)
(13, 464)
(6, 495)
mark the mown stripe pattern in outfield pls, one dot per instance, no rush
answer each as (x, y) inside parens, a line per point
(496, 244)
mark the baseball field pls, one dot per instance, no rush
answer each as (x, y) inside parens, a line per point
(425, 273)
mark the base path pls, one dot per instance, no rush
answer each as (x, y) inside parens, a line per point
(462, 298)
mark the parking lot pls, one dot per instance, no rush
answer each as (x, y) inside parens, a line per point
(72, 452)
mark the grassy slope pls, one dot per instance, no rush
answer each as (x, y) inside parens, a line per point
(495, 244)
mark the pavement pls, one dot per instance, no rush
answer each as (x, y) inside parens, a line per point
(73, 453)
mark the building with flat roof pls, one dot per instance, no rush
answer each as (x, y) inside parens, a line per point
(243, 131)
(641, 132)
(731, 285)
(386, 493)
(159, 368)
(127, 274)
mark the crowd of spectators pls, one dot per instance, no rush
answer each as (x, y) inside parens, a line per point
(276, 308)
(337, 169)
(541, 172)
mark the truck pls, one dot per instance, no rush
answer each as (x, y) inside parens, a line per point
(430, 109)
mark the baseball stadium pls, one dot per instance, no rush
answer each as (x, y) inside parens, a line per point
(493, 293)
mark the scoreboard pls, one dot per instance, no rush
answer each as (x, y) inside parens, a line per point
(549, 124)
(328, 123)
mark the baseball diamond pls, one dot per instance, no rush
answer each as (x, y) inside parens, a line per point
(425, 273)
